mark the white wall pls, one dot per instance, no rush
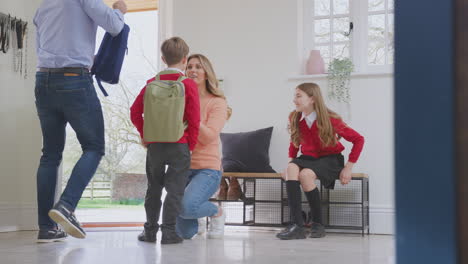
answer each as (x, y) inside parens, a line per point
(20, 139)
(253, 46)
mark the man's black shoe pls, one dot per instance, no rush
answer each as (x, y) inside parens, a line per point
(66, 218)
(47, 236)
(292, 232)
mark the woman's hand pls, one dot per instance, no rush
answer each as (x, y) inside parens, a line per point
(346, 173)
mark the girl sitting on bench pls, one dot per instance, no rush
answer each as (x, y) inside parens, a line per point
(316, 131)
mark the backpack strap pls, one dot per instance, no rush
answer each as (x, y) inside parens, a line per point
(164, 72)
(101, 87)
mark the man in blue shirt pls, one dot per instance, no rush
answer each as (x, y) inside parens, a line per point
(64, 91)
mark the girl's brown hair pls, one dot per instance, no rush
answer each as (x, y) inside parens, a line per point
(212, 83)
(327, 134)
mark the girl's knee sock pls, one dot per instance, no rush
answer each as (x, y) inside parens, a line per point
(313, 197)
(294, 200)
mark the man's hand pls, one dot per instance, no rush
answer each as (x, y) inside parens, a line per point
(120, 5)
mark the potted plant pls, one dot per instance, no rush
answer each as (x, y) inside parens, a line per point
(339, 74)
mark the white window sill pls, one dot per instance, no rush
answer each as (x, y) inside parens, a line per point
(353, 76)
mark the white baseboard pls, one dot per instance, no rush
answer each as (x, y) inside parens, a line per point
(4, 229)
(17, 217)
(382, 220)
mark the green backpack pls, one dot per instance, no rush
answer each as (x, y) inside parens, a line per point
(164, 106)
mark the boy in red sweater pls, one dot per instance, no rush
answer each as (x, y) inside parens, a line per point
(175, 155)
(316, 131)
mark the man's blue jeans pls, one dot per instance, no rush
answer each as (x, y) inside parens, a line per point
(201, 186)
(60, 100)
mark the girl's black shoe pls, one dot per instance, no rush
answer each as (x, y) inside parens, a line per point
(292, 232)
(317, 230)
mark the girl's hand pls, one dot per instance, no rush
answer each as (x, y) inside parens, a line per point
(346, 173)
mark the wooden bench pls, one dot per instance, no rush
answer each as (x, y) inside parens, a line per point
(272, 175)
(332, 208)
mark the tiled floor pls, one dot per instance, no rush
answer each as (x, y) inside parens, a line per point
(238, 246)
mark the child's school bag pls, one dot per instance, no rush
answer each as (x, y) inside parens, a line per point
(109, 59)
(164, 106)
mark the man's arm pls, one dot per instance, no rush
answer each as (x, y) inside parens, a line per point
(111, 21)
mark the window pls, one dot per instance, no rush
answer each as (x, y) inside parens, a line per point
(361, 30)
(380, 32)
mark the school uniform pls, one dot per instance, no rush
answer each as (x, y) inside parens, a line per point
(175, 155)
(325, 161)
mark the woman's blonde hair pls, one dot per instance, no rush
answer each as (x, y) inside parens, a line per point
(212, 83)
(326, 132)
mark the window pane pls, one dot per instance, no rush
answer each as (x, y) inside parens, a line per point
(390, 39)
(322, 7)
(376, 53)
(322, 30)
(376, 5)
(340, 28)
(391, 24)
(340, 7)
(377, 28)
(390, 54)
(341, 51)
(325, 52)
(391, 5)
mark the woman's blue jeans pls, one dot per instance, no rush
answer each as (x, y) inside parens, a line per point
(202, 184)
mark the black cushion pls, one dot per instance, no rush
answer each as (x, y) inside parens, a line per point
(247, 151)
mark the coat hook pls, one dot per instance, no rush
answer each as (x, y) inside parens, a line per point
(351, 26)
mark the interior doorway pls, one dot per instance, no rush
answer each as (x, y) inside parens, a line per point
(115, 195)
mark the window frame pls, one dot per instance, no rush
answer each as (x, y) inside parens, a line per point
(359, 43)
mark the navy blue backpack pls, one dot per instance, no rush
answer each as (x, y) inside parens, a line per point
(109, 59)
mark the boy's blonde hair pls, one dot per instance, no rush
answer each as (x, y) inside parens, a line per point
(174, 50)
